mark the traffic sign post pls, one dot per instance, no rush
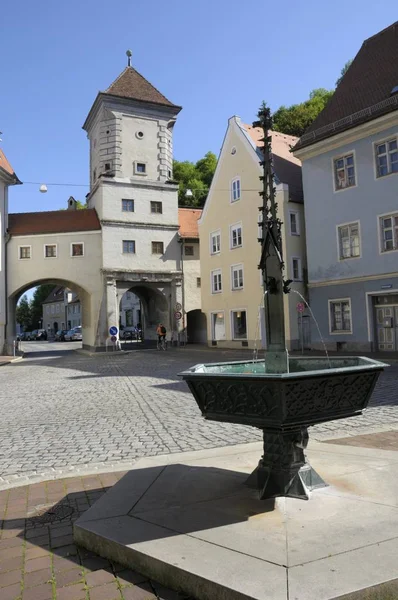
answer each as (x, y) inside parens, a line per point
(300, 307)
(178, 315)
(178, 307)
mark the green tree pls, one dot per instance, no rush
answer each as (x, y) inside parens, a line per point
(344, 71)
(36, 308)
(295, 119)
(195, 177)
(23, 313)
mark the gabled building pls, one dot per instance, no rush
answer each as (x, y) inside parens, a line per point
(7, 178)
(231, 283)
(350, 176)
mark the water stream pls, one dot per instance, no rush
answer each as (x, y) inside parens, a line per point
(316, 323)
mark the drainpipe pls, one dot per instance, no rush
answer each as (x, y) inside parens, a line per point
(181, 241)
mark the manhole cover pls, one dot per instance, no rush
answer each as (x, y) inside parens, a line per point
(47, 513)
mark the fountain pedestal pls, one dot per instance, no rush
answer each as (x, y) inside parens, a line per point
(283, 469)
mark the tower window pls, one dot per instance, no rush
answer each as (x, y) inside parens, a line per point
(157, 248)
(107, 166)
(156, 207)
(128, 205)
(140, 168)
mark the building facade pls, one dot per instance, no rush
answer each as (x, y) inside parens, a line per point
(7, 178)
(229, 229)
(128, 239)
(61, 310)
(350, 178)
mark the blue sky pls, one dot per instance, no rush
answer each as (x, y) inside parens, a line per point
(215, 58)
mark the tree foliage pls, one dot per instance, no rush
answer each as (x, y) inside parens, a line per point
(23, 313)
(36, 308)
(294, 120)
(344, 71)
(196, 177)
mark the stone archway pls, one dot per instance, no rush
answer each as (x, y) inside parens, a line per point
(154, 307)
(88, 323)
(196, 327)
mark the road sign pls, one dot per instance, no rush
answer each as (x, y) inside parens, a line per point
(113, 338)
(178, 315)
(300, 307)
(178, 307)
(113, 330)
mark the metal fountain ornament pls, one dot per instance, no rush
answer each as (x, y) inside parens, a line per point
(282, 395)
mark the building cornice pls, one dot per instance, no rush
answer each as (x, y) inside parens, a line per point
(331, 282)
(138, 225)
(347, 137)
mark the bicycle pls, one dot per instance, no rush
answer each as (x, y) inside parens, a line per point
(162, 344)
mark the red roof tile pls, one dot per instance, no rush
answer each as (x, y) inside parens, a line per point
(130, 84)
(56, 221)
(5, 165)
(188, 220)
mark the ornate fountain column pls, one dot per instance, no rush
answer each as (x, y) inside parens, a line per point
(271, 261)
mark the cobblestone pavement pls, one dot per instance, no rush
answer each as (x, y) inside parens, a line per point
(85, 413)
(38, 558)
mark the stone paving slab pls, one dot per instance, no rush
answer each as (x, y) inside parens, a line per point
(39, 559)
(198, 529)
(72, 415)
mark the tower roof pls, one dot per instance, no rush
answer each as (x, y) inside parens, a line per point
(130, 84)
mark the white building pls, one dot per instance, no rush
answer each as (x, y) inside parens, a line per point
(7, 178)
(128, 239)
(61, 310)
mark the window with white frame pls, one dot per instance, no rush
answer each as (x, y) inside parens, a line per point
(128, 247)
(235, 189)
(215, 242)
(344, 172)
(127, 205)
(387, 157)
(25, 252)
(236, 235)
(389, 232)
(157, 248)
(77, 249)
(297, 273)
(294, 222)
(52, 309)
(239, 326)
(349, 245)
(237, 277)
(50, 250)
(156, 207)
(140, 168)
(340, 316)
(218, 326)
(216, 282)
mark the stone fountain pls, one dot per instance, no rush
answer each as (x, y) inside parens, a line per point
(281, 395)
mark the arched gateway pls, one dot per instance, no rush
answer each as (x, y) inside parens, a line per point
(128, 237)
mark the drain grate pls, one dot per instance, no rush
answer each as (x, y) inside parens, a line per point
(47, 513)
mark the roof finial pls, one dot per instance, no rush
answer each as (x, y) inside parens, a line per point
(129, 55)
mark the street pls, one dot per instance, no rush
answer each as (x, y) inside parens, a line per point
(63, 409)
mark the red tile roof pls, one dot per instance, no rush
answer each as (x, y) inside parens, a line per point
(56, 221)
(287, 167)
(5, 165)
(365, 90)
(130, 84)
(188, 220)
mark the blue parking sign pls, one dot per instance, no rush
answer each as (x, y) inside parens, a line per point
(113, 330)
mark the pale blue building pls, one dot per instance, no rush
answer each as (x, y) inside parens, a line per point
(350, 179)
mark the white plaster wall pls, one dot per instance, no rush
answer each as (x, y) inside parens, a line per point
(192, 293)
(143, 259)
(114, 193)
(3, 224)
(81, 274)
(143, 149)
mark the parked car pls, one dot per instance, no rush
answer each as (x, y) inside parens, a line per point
(33, 334)
(26, 336)
(41, 334)
(68, 335)
(131, 333)
(77, 334)
(60, 335)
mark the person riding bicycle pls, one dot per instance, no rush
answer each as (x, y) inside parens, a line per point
(161, 332)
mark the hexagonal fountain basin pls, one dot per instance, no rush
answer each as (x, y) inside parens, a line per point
(284, 405)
